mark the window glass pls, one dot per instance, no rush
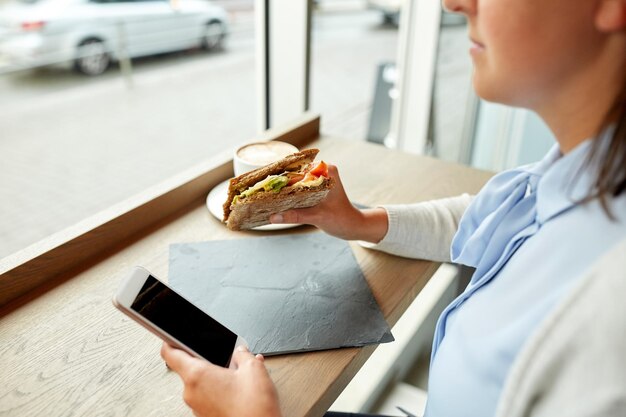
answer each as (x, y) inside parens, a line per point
(354, 78)
(352, 45)
(96, 106)
(450, 124)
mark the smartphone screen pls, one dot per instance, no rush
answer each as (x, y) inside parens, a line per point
(184, 321)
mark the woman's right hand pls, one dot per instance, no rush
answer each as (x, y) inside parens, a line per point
(337, 216)
(243, 390)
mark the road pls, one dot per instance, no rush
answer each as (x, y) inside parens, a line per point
(71, 146)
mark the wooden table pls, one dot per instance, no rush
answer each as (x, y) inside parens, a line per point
(65, 350)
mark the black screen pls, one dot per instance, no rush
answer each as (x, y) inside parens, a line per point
(184, 321)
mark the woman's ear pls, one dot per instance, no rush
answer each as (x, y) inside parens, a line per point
(611, 16)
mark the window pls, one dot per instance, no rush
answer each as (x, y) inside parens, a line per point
(351, 45)
(159, 92)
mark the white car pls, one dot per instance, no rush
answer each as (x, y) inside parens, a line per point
(89, 34)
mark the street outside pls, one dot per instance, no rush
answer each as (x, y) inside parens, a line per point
(72, 146)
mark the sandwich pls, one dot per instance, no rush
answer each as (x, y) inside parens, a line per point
(295, 181)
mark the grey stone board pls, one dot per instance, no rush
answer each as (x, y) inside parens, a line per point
(282, 294)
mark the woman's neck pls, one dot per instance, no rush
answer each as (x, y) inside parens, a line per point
(579, 107)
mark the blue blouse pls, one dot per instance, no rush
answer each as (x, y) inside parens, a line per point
(530, 242)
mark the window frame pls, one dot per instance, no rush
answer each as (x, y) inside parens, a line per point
(283, 76)
(417, 57)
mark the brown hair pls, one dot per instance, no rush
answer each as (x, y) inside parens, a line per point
(610, 158)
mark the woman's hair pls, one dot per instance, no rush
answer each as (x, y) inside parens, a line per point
(610, 158)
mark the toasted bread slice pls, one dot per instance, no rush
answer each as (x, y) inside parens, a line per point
(255, 210)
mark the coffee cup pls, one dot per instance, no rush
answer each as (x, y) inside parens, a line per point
(258, 154)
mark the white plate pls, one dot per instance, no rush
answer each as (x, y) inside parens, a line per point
(216, 199)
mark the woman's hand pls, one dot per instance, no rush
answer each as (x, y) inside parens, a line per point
(338, 217)
(245, 390)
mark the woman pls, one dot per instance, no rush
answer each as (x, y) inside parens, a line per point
(531, 233)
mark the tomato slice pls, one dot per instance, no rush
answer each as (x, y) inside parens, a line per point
(294, 178)
(320, 169)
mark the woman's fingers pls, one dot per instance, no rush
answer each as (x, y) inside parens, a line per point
(297, 216)
(313, 214)
(189, 368)
(241, 356)
(333, 172)
(176, 359)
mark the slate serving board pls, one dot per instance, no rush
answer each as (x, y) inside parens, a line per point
(282, 294)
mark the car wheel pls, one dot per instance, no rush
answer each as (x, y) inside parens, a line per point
(92, 57)
(212, 35)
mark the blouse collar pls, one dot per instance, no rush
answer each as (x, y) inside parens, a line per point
(565, 179)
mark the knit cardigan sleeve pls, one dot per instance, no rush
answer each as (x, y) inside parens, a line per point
(423, 230)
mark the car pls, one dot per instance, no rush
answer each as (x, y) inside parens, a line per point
(90, 34)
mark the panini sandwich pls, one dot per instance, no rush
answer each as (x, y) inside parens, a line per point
(292, 182)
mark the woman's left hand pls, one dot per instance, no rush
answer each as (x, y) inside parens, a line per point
(244, 390)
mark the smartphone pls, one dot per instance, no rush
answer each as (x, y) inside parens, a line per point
(174, 319)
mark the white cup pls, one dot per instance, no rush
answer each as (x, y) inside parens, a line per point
(258, 154)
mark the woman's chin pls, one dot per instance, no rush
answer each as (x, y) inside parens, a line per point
(489, 90)
(483, 89)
